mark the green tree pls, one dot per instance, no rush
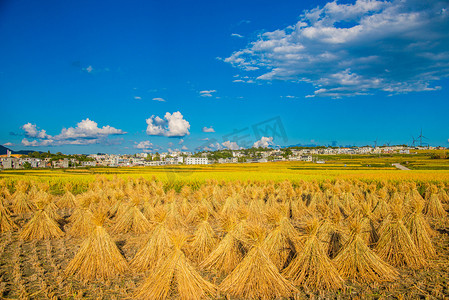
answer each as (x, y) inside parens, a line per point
(27, 165)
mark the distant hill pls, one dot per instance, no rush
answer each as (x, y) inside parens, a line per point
(3, 150)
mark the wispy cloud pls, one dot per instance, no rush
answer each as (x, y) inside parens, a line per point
(237, 35)
(8, 144)
(89, 69)
(357, 49)
(159, 99)
(207, 93)
(138, 98)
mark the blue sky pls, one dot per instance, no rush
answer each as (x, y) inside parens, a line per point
(126, 77)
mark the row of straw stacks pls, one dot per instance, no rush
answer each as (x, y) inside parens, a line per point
(248, 240)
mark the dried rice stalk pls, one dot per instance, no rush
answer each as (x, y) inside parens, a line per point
(204, 241)
(98, 257)
(68, 200)
(434, 208)
(311, 266)
(256, 277)
(21, 204)
(395, 243)
(132, 220)
(175, 276)
(156, 247)
(82, 222)
(229, 252)
(41, 227)
(357, 261)
(6, 223)
(280, 242)
(420, 230)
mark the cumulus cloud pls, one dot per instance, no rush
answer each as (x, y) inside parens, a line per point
(210, 129)
(32, 131)
(181, 141)
(184, 147)
(171, 125)
(144, 145)
(230, 145)
(264, 142)
(207, 93)
(85, 133)
(357, 49)
(159, 99)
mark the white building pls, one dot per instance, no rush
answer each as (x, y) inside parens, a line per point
(197, 161)
(306, 158)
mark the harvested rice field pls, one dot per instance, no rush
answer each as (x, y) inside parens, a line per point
(120, 238)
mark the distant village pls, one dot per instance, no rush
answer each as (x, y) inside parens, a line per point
(253, 155)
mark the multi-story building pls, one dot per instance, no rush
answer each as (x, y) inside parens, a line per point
(197, 161)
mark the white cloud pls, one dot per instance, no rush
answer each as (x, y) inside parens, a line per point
(138, 98)
(85, 133)
(230, 145)
(184, 147)
(181, 141)
(8, 144)
(89, 69)
(159, 99)
(144, 145)
(264, 142)
(32, 131)
(207, 93)
(237, 35)
(172, 125)
(87, 129)
(210, 129)
(357, 49)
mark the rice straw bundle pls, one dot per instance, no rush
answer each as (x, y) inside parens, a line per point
(156, 247)
(280, 243)
(332, 234)
(357, 261)
(204, 240)
(98, 257)
(6, 223)
(395, 243)
(81, 222)
(131, 220)
(311, 266)
(229, 252)
(174, 275)
(433, 208)
(21, 203)
(67, 200)
(41, 226)
(420, 231)
(256, 277)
